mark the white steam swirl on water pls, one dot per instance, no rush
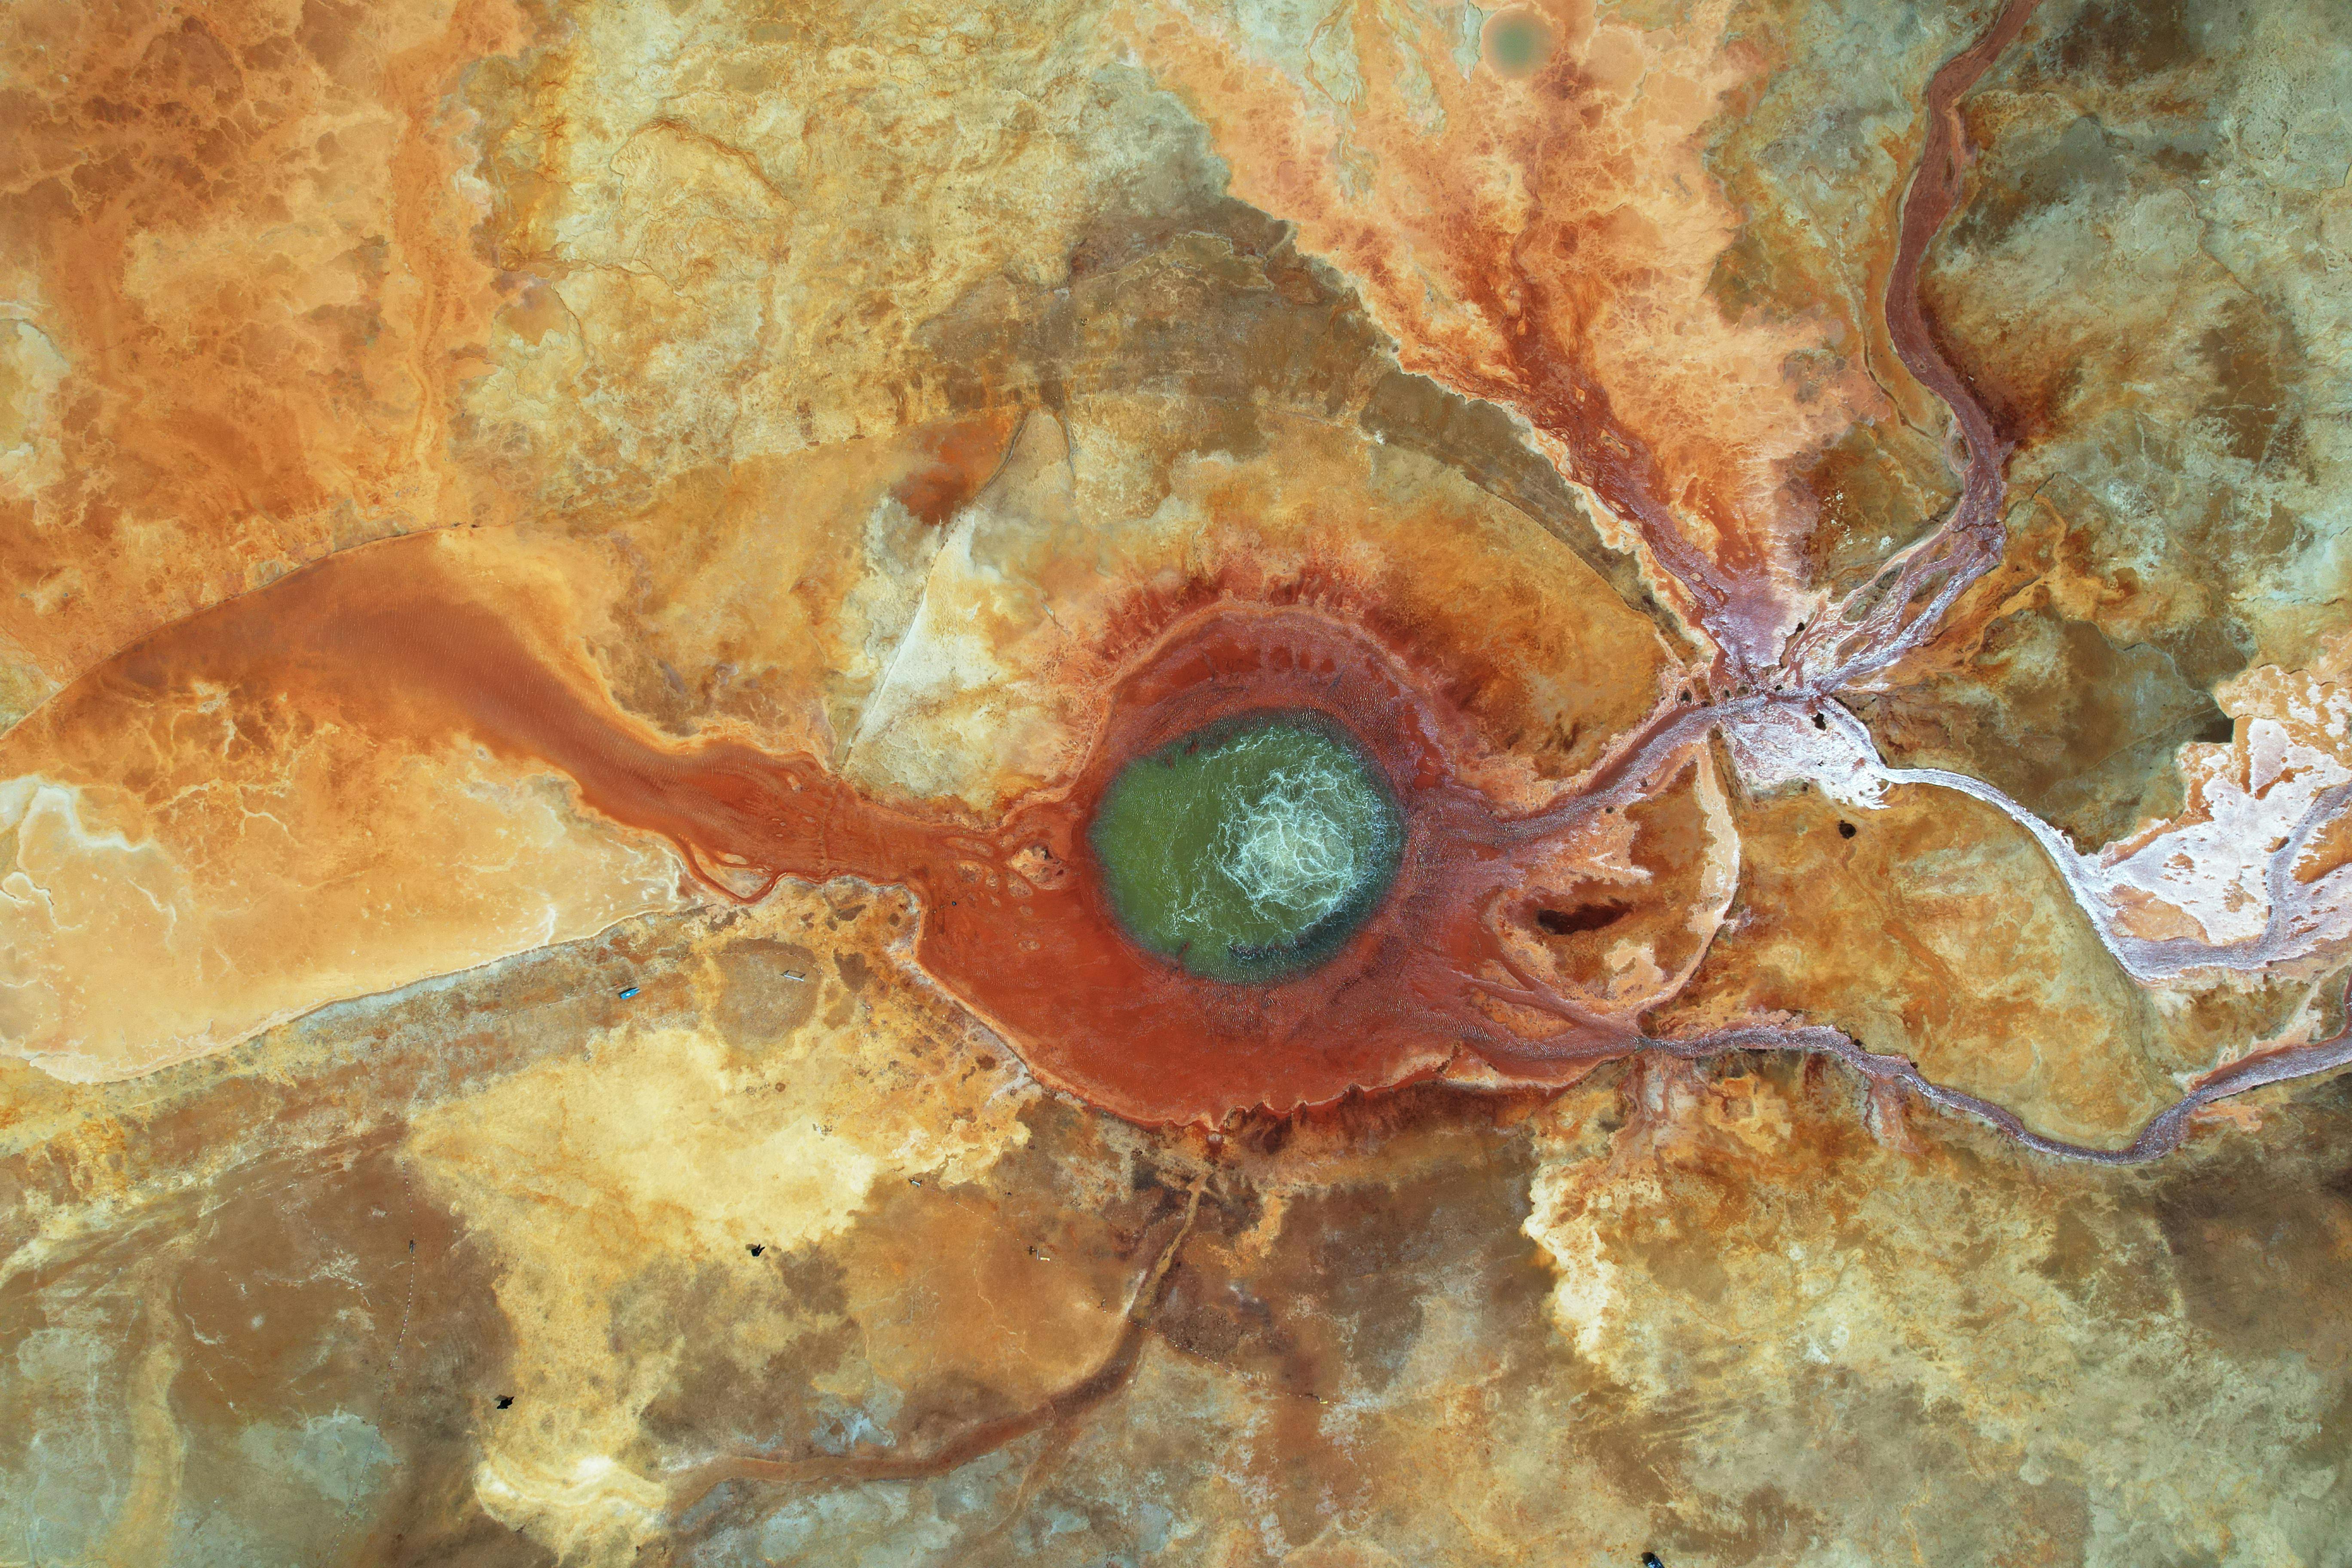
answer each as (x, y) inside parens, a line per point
(1290, 841)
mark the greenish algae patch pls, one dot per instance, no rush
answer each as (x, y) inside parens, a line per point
(1251, 849)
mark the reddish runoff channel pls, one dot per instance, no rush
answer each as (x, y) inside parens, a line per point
(392, 642)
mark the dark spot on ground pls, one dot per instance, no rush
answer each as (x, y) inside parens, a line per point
(2124, 39)
(1583, 918)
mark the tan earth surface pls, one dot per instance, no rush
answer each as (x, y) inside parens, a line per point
(1867, 479)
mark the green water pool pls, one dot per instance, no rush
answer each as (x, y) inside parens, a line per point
(1251, 849)
(1517, 42)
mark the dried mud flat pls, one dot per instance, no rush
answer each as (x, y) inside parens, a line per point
(580, 574)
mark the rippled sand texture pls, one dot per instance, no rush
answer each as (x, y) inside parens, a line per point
(551, 547)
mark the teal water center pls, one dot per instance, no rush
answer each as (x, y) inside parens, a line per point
(1249, 850)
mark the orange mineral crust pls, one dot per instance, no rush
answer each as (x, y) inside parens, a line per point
(238, 240)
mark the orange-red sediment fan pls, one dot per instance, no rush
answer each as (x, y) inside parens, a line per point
(392, 642)
(1018, 925)
(1044, 959)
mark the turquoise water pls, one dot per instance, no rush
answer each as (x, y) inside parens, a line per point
(1517, 42)
(1251, 849)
